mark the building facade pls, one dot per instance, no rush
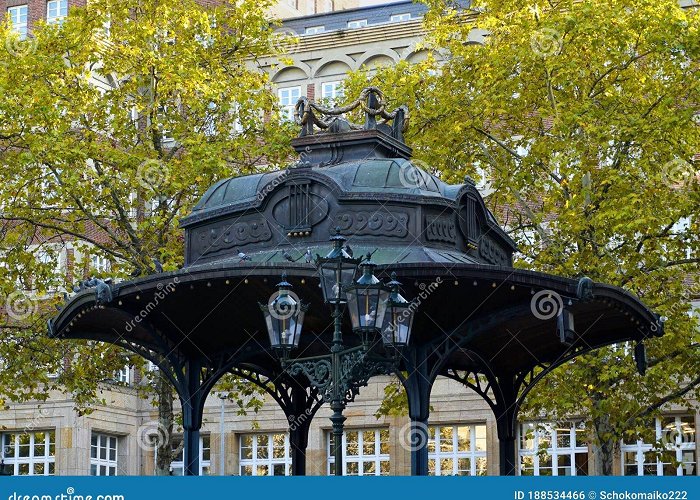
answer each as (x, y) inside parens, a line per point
(118, 439)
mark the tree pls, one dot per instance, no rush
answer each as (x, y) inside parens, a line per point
(582, 116)
(112, 125)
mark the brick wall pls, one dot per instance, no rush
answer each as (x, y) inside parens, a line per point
(36, 9)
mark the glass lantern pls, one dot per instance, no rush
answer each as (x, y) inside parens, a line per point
(367, 301)
(398, 321)
(284, 318)
(336, 270)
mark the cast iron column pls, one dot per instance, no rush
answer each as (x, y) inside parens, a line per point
(506, 412)
(192, 410)
(299, 423)
(338, 400)
(418, 387)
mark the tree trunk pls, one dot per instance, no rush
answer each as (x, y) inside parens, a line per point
(604, 445)
(166, 416)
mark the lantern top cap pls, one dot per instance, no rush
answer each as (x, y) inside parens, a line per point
(394, 283)
(338, 238)
(368, 277)
(284, 284)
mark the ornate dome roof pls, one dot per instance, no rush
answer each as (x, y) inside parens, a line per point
(356, 177)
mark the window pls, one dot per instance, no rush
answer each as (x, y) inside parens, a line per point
(103, 455)
(457, 450)
(331, 91)
(293, 4)
(359, 23)
(314, 30)
(31, 453)
(123, 375)
(177, 466)
(365, 453)
(99, 264)
(163, 118)
(553, 450)
(18, 18)
(326, 5)
(265, 455)
(56, 10)
(288, 98)
(677, 433)
(397, 18)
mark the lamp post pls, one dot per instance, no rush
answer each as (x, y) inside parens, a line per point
(373, 306)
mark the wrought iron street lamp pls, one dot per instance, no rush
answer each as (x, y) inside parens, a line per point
(284, 318)
(336, 271)
(367, 299)
(339, 374)
(398, 320)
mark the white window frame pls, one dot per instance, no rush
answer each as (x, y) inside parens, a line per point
(19, 15)
(11, 452)
(314, 30)
(640, 448)
(362, 459)
(177, 467)
(331, 91)
(397, 18)
(534, 451)
(357, 23)
(254, 462)
(474, 454)
(123, 375)
(56, 11)
(104, 455)
(99, 264)
(287, 101)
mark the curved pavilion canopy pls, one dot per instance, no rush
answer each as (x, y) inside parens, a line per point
(479, 320)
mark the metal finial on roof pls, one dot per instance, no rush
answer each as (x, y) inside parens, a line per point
(371, 100)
